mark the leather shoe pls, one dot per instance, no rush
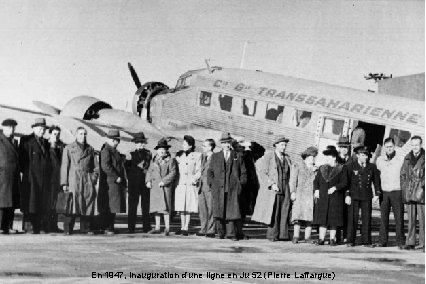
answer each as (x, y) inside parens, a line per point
(381, 245)
(295, 240)
(220, 237)
(166, 232)
(210, 235)
(154, 231)
(199, 234)
(184, 233)
(409, 247)
(178, 232)
(320, 243)
(333, 243)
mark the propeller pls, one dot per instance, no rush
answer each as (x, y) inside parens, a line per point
(134, 75)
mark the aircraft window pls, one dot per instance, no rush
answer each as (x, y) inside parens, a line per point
(302, 118)
(274, 112)
(249, 107)
(205, 98)
(399, 136)
(333, 127)
(225, 102)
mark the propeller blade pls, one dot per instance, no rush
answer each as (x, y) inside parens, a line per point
(134, 75)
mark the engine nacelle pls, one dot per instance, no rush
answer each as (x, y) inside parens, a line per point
(143, 97)
(84, 107)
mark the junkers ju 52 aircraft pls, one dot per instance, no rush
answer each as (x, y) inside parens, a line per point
(251, 104)
(259, 106)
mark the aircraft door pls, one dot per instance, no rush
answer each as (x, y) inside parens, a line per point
(329, 129)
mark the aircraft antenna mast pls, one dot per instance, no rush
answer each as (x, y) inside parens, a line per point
(243, 54)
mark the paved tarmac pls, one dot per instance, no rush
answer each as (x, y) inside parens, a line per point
(95, 259)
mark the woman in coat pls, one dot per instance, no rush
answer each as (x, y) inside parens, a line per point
(112, 184)
(301, 187)
(79, 175)
(329, 185)
(160, 178)
(186, 193)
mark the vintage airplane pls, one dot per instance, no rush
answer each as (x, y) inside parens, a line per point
(255, 105)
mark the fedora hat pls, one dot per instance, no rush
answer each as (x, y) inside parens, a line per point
(330, 151)
(362, 149)
(280, 139)
(113, 134)
(226, 137)
(343, 142)
(9, 122)
(162, 143)
(39, 122)
(139, 138)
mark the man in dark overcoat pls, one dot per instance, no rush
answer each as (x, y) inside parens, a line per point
(10, 178)
(112, 184)
(412, 179)
(35, 164)
(361, 176)
(56, 150)
(226, 176)
(137, 164)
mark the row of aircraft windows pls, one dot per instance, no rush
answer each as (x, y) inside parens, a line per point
(248, 107)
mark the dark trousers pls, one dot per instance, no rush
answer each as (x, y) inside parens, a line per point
(227, 228)
(392, 199)
(35, 222)
(133, 201)
(107, 221)
(278, 229)
(342, 232)
(205, 208)
(87, 223)
(413, 211)
(353, 216)
(6, 218)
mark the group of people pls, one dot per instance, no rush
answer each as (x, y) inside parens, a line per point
(45, 177)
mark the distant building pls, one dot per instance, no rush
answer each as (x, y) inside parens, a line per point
(411, 86)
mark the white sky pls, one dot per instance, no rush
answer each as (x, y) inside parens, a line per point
(55, 50)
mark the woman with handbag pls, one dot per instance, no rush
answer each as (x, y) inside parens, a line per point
(79, 175)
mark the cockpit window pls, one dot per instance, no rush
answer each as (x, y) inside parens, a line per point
(249, 107)
(225, 102)
(183, 83)
(274, 112)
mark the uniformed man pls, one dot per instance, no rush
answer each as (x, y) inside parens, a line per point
(344, 158)
(10, 178)
(361, 175)
(137, 164)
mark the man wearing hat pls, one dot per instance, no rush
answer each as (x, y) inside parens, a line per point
(273, 200)
(344, 158)
(361, 175)
(35, 165)
(226, 176)
(10, 179)
(112, 184)
(137, 164)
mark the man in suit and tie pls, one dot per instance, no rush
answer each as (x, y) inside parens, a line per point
(35, 164)
(226, 177)
(205, 204)
(10, 178)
